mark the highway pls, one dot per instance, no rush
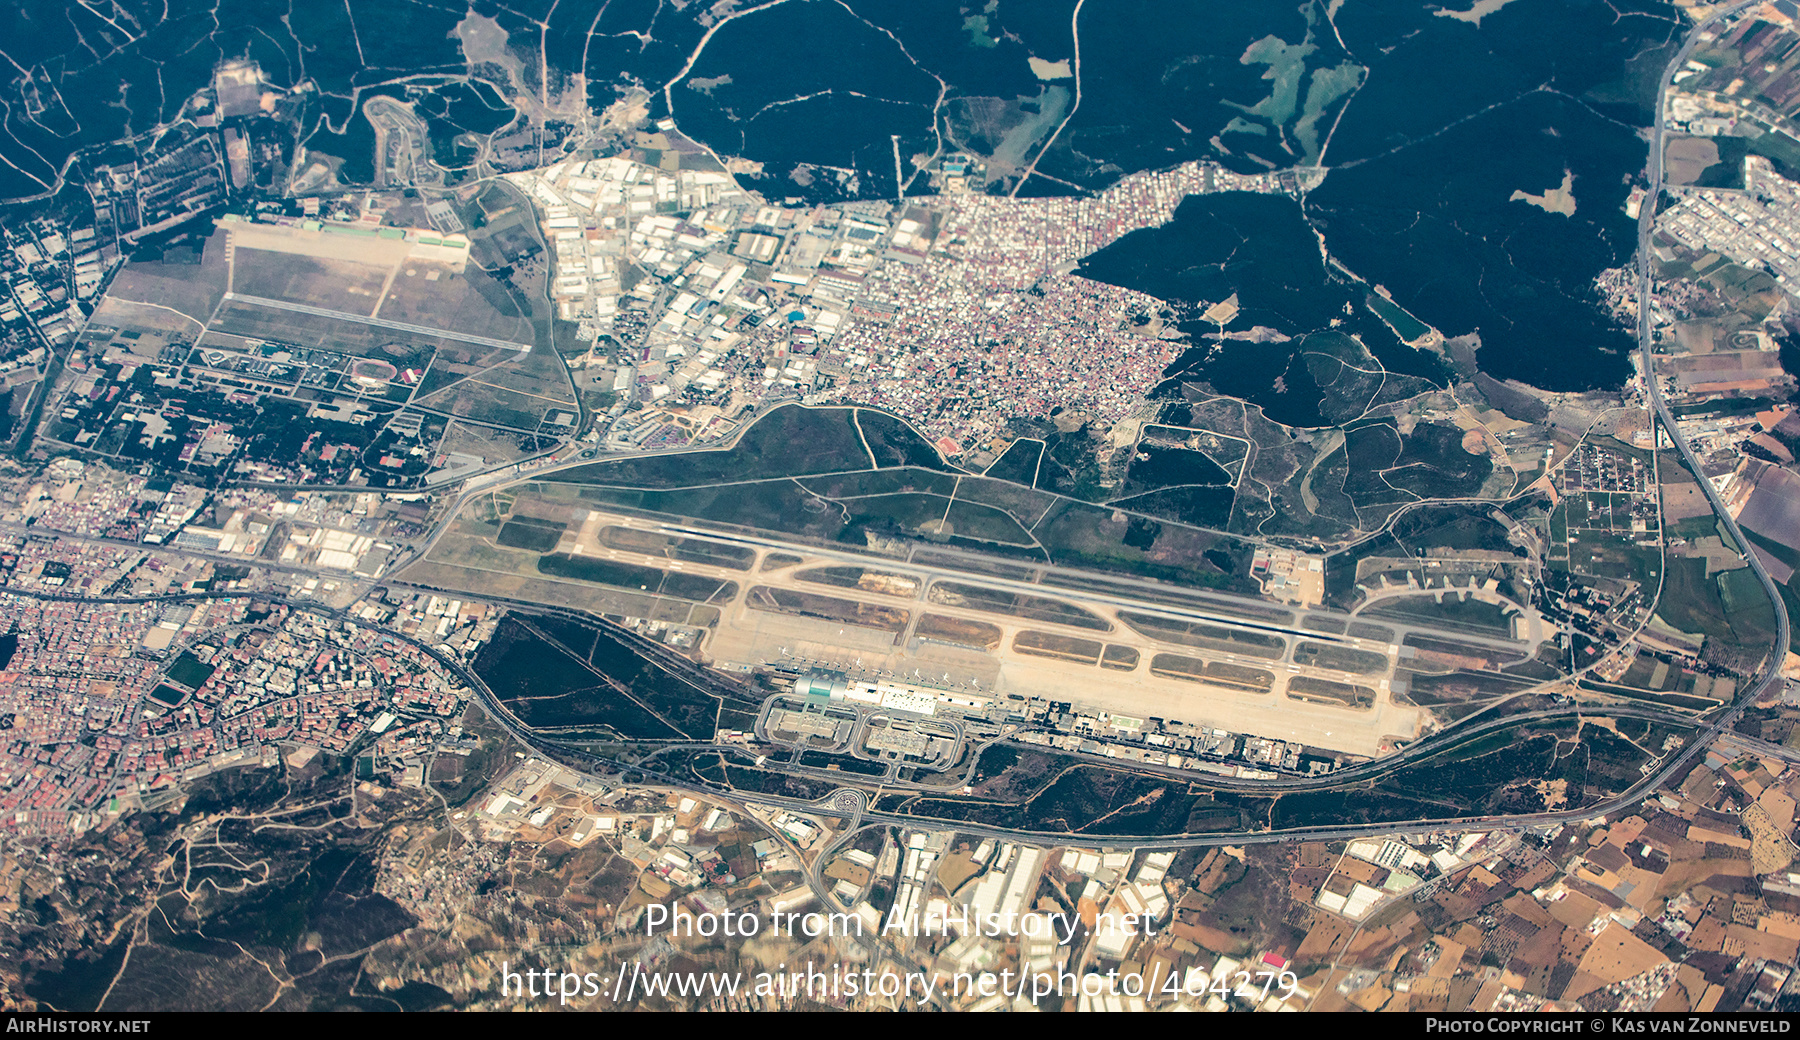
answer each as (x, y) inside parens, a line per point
(857, 808)
(1646, 341)
(1709, 732)
(851, 805)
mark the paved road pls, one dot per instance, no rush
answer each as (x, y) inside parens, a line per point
(852, 807)
(1770, 675)
(1646, 225)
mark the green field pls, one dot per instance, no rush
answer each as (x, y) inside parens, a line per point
(190, 671)
(631, 576)
(1206, 637)
(881, 482)
(999, 601)
(894, 443)
(1433, 464)
(1340, 658)
(689, 550)
(985, 523)
(1023, 504)
(1450, 612)
(1730, 607)
(530, 534)
(1019, 463)
(805, 472)
(790, 441)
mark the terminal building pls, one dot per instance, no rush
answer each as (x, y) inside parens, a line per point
(895, 696)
